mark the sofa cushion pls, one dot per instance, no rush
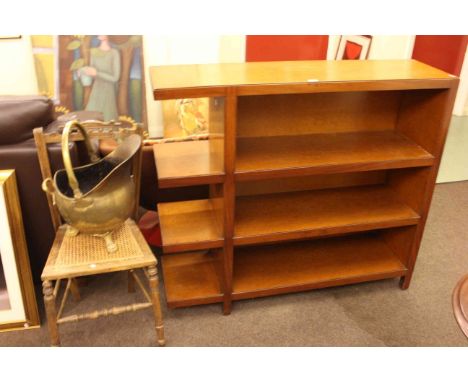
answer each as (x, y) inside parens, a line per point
(19, 115)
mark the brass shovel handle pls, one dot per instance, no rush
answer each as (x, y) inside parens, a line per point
(72, 181)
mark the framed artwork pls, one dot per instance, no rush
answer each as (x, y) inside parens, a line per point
(353, 47)
(18, 307)
(185, 117)
(45, 55)
(102, 73)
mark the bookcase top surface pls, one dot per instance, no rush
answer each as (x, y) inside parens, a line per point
(172, 81)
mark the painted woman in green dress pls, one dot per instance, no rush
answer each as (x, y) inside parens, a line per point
(105, 69)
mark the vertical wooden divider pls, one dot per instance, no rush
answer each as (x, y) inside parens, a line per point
(417, 190)
(229, 191)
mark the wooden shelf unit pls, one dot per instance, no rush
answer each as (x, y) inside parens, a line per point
(320, 173)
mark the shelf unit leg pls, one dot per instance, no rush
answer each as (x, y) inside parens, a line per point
(405, 282)
(227, 307)
(229, 191)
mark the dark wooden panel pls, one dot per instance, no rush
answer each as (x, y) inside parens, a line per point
(294, 114)
(311, 182)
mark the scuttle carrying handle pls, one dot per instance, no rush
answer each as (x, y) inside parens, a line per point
(72, 181)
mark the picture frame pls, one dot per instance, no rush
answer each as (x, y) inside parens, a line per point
(353, 47)
(18, 306)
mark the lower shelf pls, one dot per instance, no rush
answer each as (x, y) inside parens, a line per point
(191, 279)
(189, 226)
(275, 269)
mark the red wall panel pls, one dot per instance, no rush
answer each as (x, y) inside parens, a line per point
(443, 52)
(283, 48)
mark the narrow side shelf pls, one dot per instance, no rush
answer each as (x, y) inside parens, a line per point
(189, 226)
(274, 269)
(279, 156)
(304, 214)
(187, 163)
(191, 279)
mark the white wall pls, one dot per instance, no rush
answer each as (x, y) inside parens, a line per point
(17, 73)
(461, 102)
(391, 47)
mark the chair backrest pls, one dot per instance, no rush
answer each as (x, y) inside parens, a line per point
(95, 130)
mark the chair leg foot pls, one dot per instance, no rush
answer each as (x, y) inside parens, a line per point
(154, 287)
(110, 244)
(51, 312)
(160, 334)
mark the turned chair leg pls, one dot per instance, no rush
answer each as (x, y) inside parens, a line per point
(154, 287)
(131, 281)
(49, 301)
(75, 290)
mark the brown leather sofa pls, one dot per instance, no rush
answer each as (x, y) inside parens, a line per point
(19, 115)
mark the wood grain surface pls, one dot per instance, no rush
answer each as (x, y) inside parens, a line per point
(281, 77)
(267, 157)
(268, 270)
(303, 214)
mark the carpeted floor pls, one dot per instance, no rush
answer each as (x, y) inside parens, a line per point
(369, 314)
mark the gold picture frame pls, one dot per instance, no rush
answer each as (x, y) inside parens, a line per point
(20, 309)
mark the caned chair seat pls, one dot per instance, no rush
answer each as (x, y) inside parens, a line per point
(84, 255)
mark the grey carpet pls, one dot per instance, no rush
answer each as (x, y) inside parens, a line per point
(369, 314)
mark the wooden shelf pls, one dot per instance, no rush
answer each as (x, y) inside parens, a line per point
(190, 279)
(292, 267)
(189, 226)
(280, 156)
(249, 78)
(304, 214)
(187, 163)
